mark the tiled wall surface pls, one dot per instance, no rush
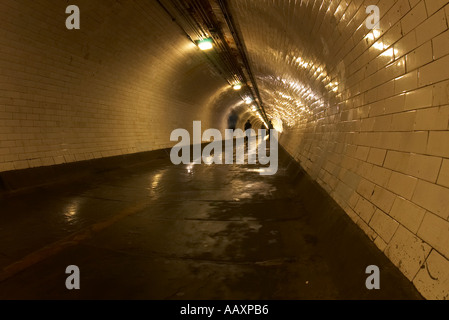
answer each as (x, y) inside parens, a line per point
(118, 85)
(366, 113)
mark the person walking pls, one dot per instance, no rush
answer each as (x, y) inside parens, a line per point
(262, 128)
(270, 127)
(248, 125)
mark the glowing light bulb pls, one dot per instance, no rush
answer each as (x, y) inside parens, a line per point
(237, 86)
(205, 44)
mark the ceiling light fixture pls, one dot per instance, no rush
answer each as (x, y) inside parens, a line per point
(205, 44)
(237, 86)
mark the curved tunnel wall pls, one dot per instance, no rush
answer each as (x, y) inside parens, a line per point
(118, 85)
(366, 114)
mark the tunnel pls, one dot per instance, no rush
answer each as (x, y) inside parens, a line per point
(352, 203)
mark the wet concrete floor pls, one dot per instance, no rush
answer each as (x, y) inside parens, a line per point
(160, 231)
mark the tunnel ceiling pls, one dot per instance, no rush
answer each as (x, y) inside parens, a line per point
(364, 111)
(292, 55)
(294, 49)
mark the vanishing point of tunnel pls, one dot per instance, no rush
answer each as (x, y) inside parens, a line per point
(224, 149)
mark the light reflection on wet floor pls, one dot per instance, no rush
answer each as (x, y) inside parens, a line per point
(171, 232)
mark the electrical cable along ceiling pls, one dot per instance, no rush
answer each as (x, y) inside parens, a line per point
(288, 55)
(210, 27)
(289, 46)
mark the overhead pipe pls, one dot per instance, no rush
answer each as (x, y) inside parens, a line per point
(199, 20)
(240, 46)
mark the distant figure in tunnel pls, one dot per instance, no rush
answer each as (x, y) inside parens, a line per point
(270, 127)
(248, 125)
(263, 127)
(232, 120)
